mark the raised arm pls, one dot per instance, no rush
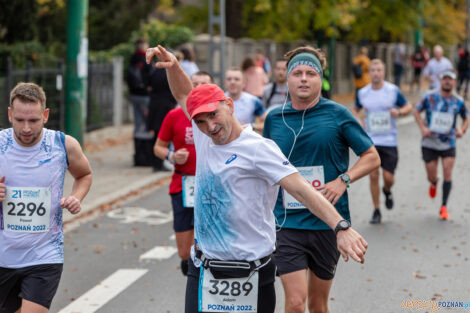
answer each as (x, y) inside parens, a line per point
(180, 84)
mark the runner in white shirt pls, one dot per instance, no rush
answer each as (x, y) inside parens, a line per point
(438, 64)
(383, 103)
(33, 161)
(238, 174)
(248, 109)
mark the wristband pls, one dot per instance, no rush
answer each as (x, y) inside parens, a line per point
(170, 156)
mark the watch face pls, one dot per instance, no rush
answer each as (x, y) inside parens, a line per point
(345, 178)
(344, 224)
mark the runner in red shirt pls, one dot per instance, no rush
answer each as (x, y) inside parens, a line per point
(176, 128)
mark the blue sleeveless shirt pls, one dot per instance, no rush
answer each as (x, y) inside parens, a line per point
(32, 170)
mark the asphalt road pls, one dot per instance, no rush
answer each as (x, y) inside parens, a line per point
(412, 255)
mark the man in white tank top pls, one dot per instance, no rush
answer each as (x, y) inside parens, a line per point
(33, 161)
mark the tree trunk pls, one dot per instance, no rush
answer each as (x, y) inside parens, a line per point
(234, 15)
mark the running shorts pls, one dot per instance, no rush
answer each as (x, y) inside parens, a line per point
(432, 154)
(299, 249)
(36, 283)
(388, 158)
(183, 218)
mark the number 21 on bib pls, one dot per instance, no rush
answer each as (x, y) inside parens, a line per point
(27, 209)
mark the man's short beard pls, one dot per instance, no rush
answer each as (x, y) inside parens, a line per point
(446, 89)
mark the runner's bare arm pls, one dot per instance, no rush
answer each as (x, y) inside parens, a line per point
(368, 161)
(404, 110)
(459, 132)
(160, 149)
(179, 82)
(2, 189)
(425, 131)
(80, 169)
(350, 243)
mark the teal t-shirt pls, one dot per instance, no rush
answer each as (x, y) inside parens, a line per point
(329, 131)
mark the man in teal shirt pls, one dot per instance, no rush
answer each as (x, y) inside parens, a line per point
(315, 134)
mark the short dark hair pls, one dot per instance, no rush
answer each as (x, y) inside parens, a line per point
(248, 62)
(187, 54)
(204, 73)
(140, 41)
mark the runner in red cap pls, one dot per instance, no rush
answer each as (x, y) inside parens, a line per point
(238, 174)
(177, 129)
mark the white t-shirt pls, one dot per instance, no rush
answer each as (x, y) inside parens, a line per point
(236, 190)
(434, 67)
(247, 108)
(381, 101)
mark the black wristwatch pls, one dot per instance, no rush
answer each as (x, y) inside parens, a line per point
(342, 225)
(345, 178)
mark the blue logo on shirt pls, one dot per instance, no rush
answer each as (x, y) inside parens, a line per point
(285, 163)
(231, 159)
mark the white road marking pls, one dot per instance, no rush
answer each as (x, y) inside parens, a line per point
(109, 288)
(159, 253)
(130, 215)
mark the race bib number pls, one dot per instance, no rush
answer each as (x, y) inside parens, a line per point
(379, 122)
(27, 209)
(441, 122)
(188, 191)
(314, 175)
(228, 295)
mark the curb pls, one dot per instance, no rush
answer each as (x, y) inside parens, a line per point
(104, 202)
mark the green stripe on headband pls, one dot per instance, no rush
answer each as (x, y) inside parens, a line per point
(305, 58)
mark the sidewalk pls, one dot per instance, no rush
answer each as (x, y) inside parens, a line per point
(110, 152)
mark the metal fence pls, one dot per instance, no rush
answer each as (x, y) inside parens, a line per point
(100, 93)
(50, 79)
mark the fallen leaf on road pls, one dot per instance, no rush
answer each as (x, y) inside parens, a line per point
(436, 297)
(416, 274)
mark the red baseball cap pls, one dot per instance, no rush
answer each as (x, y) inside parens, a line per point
(204, 99)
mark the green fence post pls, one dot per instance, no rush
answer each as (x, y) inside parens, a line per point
(76, 68)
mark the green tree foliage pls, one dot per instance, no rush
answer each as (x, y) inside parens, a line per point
(18, 20)
(111, 22)
(444, 21)
(349, 20)
(156, 32)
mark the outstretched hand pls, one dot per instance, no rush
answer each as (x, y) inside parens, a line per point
(166, 59)
(351, 244)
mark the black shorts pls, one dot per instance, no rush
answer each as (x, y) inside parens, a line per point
(36, 283)
(417, 71)
(266, 291)
(299, 249)
(432, 154)
(183, 218)
(388, 158)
